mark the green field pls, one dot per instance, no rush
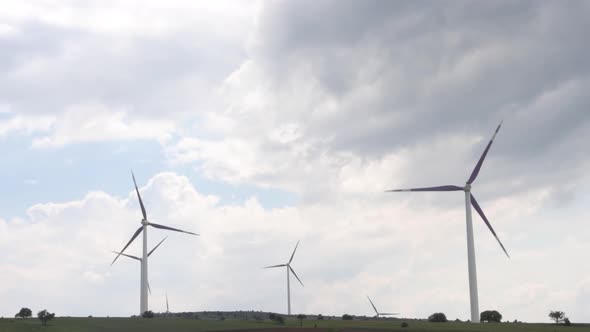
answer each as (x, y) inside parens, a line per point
(181, 325)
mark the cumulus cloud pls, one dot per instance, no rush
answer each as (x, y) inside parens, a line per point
(412, 263)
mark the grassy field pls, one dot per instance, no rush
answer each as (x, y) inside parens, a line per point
(181, 325)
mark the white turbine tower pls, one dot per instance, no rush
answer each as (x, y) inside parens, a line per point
(139, 259)
(143, 304)
(379, 314)
(469, 201)
(289, 270)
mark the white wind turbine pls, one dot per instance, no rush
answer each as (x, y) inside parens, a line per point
(143, 304)
(167, 308)
(139, 259)
(379, 314)
(289, 270)
(469, 201)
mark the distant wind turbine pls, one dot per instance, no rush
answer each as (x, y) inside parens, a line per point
(143, 304)
(469, 201)
(139, 259)
(167, 308)
(289, 269)
(379, 314)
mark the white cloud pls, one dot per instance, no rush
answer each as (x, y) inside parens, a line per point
(409, 261)
(96, 123)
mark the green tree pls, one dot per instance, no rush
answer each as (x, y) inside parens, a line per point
(148, 314)
(490, 316)
(24, 313)
(301, 317)
(437, 317)
(276, 318)
(320, 317)
(45, 316)
(346, 317)
(557, 316)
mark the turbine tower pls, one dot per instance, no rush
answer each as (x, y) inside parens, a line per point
(379, 314)
(143, 302)
(289, 270)
(469, 201)
(139, 259)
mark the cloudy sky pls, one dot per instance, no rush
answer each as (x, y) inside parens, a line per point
(258, 124)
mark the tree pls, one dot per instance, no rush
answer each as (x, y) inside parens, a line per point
(148, 314)
(346, 317)
(320, 317)
(24, 313)
(557, 316)
(437, 317)
(45, 316)
(276, 318)
(490, 316)
(301, 317)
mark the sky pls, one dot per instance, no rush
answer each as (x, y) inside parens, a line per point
(258, 124)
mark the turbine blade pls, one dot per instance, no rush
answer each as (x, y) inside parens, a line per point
(269, 267)
(437, 188)
(483, 156)
(293, 254)
(156, 247)
(295, 274)
(377, 312)
(149, 288)
(171, 229)
(128, 243)
(483, 216)
(122, 254)
(388, 314)
(139, 197)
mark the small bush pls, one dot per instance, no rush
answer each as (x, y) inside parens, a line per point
(320, 317)
(276, 318)
(346, 317)
(567, 322)
(490, 316)
(148, 314)
(404, 324)
(437, 317)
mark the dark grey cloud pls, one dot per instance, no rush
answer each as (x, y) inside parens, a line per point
(408, 74)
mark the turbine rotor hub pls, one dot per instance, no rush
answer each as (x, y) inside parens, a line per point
(144, 222)
(467, 187)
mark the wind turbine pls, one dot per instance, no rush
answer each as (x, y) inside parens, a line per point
(379, 314)
(139, 259)
(469, 201)
(167, 308)
(289, 270)
(143, 304)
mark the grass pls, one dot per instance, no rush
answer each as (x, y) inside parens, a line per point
(181, 325)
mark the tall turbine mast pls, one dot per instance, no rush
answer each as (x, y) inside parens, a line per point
(144, 288)
(289, 270)
(469, 201)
